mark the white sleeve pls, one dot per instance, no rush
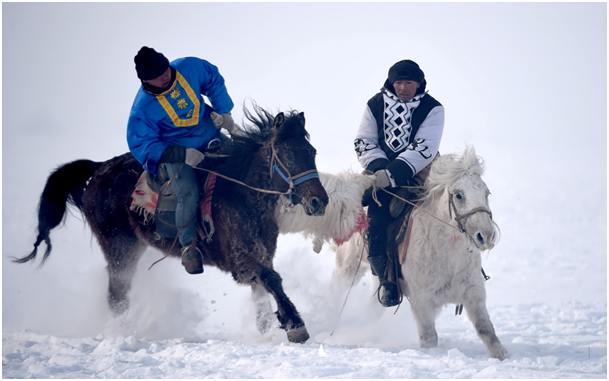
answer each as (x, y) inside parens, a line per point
(367, 140)
(426, 142)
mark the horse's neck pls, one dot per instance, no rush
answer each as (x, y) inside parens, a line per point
(260, 169)
(441, 222)
(258, 175)
(438, 207)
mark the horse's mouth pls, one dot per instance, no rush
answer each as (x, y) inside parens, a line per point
(315, 206)
(481, 242)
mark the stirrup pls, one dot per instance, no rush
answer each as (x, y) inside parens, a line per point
(192, 260)
(388, 294)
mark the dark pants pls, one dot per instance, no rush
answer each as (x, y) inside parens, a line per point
(380, 217)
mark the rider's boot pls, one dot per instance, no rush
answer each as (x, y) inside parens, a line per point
(192, 259)
(389, 294)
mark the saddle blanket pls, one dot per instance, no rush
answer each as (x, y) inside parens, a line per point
(144, 199)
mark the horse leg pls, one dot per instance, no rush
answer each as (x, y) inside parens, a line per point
(425, 311)
(264, 280)
(350, 262)
(264, 311)
(475, 305)
(122, 255)
(288, 316)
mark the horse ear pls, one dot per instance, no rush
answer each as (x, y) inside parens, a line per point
(279, 120)
(301, 118)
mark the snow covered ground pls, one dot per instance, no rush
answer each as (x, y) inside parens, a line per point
(518, 103)
(203, 327)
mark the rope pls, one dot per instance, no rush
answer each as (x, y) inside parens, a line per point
(175, 240)
(415, 206)
(244, 184)
(348, 292)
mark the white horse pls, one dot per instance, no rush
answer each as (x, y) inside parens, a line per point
(450, 229)
(344, 215)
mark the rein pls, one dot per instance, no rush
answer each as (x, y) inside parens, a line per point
(451, 208)
(244, 184)
(416, 207)
(281, 169)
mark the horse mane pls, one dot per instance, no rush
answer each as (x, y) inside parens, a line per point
(245, 144)
(261, 121)
(447, 169)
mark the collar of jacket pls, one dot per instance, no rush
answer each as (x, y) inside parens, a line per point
(157, 90)
(391, 95)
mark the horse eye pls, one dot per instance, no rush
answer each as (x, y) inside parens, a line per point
(458, 196)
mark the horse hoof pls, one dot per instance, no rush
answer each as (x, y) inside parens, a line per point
(298, 335)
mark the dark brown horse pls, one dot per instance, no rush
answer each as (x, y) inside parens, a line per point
(273, 154)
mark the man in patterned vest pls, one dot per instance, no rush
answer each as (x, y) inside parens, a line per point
(399, 136)
(170, 124)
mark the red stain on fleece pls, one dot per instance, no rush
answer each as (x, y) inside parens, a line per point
(454, 240)
(360, 225)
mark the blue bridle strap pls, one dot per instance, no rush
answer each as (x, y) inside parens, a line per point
(298, 180)
(292, 182)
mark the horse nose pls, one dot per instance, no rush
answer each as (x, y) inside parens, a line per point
(480, 239)
(484, 240)
(317, 206)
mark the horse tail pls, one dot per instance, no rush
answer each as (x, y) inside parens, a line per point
(66, 185)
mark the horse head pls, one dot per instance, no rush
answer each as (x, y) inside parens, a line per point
(460, 180)
(293, 164)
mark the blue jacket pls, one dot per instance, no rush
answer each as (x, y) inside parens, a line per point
(179, 116)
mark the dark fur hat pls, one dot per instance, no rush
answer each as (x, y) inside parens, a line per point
(406, 70)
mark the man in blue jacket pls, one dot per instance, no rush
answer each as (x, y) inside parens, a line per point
(168, 119)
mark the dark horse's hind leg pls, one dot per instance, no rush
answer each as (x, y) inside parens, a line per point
(106, 206)
(122, 255)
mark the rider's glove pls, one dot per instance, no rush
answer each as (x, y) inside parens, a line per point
(225, 121)
(193, 157)
(229, 124)
(384, 179)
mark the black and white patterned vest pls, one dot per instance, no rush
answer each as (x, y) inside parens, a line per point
(398, 121)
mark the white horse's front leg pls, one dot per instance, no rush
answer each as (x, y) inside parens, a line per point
(425, 313)
(475, 305)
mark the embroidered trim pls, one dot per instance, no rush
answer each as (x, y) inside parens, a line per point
(193, 115)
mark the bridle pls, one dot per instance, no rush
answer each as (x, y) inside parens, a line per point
(460, 218)
(292, 181)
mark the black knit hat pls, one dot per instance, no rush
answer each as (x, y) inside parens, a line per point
(150, 64)
(406, 70)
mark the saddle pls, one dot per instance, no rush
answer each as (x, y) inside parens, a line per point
(157, 203)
